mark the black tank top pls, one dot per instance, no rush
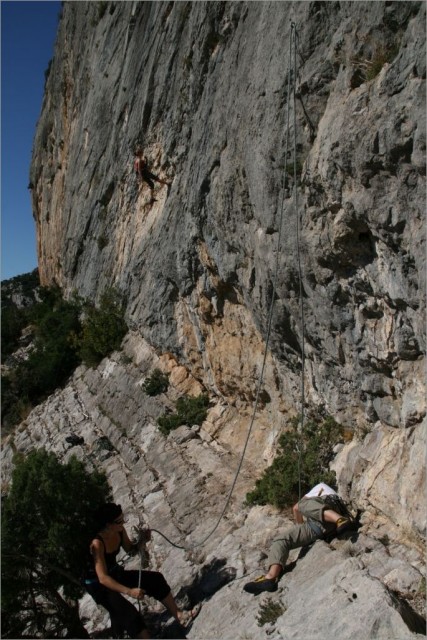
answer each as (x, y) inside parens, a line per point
(110, 559)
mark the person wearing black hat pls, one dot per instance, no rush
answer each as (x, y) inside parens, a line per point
(108, 583)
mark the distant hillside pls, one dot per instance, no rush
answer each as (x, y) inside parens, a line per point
(45, 337)
(18, 295)
(20, 291)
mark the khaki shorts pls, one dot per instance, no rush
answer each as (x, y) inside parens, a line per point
(312, 508)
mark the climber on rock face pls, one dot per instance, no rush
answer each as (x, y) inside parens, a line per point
(141, 169)
(321, 519)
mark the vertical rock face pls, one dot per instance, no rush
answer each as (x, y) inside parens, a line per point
(203, 87)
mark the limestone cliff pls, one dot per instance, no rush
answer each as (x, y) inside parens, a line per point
(203, 87)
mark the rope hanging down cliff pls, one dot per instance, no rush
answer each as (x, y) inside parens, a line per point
(301, 298)
(292, 75)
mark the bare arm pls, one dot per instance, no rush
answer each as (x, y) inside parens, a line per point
(297, 514)
(97, 549)
(129, 546)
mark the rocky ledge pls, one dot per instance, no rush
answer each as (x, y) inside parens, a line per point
(365, 585)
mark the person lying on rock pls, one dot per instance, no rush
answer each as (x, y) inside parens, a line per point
(107, 582)
(141, 169)
(321, 519)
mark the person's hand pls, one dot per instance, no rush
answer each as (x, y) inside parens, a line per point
(144, 535)
(136, 593)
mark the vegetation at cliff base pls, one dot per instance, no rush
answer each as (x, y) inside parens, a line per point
(189, 411)
(53, 358)
(47, 360)
(14, 317)
(103, 329)
(308, 453)
(47, 524)
(45, 337)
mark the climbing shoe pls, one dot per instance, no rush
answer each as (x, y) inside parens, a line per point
(261, 584)
(342, 525)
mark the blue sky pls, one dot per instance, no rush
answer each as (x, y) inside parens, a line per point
(28, 31)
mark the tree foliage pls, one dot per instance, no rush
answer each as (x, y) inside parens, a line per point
(52, 358)
(157, 383)
(16, 317)
(65, 332)
(304, 457)
(189, 411)
(103, 328)
(47, 524)
(13, 320)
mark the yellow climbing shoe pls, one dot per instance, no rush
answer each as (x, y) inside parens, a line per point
(261, 584)
(342, 525)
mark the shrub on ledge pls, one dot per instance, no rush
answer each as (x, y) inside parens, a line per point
(308, 454)
(189, 411)
(157, 383)
(103, 328)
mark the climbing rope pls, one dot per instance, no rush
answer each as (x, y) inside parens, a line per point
(141, 560)
(301, 293)
(292, 58)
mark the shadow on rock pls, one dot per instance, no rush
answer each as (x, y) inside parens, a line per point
(171, 631)
(413, 620)
(211, 578)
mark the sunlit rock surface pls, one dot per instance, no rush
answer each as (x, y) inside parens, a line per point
(203, 87)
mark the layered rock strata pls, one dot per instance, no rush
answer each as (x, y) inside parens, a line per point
(367, 586)
(203, 87)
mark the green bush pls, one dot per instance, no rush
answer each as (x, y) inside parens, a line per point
(51, 361)
(61, 341)
(14, 406)
(13, 321)
(103, 328)
(380, 58)
(157, 383)
(189, 411)
(54, 356)
(47, 524)
(306, 456)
